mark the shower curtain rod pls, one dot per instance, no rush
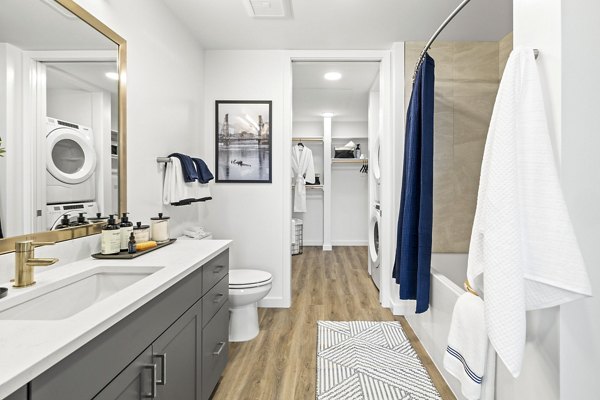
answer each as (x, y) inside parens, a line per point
(437, 33)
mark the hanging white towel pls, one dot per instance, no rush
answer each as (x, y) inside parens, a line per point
(469, 357)
(523, 253)
(175, 189)
(303, 169)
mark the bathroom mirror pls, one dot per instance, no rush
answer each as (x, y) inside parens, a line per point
(62, 121)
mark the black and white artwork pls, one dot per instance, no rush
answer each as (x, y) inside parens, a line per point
(243, 141)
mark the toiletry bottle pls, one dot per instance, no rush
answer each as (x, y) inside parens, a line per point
(131, 244)
(81, 220)
(357, 151)
(126, 231)
(111, 237)
(64, 222)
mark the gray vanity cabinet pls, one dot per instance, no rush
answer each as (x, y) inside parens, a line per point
(172, 348)
(178, 358)
(134, 383)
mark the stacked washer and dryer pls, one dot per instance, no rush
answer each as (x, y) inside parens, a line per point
(70, 172)
(375, 218)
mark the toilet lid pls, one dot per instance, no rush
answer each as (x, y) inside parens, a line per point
(248, 277)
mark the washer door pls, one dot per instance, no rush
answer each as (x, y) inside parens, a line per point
(374, 237)
(70, 157)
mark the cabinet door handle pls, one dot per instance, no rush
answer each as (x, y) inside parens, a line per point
(152, 394)
(163, 368)
(221, 347)
(218, 269)
(218, 297)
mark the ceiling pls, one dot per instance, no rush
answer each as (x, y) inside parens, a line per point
(87, 76)
(340, 24)
(45, 25)
(347, 98)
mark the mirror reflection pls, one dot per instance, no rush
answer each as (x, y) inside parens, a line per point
(58, 120)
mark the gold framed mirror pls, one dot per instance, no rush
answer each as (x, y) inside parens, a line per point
(58, 47)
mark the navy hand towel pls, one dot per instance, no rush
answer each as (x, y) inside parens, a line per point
(413, 250)
(204, 174)
(187, 165)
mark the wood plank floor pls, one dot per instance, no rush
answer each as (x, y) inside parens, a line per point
(280, 363)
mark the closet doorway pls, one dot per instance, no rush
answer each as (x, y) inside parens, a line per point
(335, 140)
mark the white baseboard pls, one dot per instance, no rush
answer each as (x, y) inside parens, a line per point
(350, 242)
(274, 302)
(327, 247)
(318, 243)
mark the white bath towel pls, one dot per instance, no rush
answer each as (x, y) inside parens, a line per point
(523, 253)
(469, 357)
(175, 189)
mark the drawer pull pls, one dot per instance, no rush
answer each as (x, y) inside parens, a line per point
(152, 394)
(218, 298)
(218, 269)
(163, 368)
(221, 347)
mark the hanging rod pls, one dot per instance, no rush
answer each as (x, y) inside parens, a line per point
(163, 159)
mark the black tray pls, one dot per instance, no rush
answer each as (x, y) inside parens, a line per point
(126, 256)
(3, 292)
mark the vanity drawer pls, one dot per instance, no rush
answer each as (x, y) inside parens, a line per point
(214, 271)
(215, 343)
(214, 299)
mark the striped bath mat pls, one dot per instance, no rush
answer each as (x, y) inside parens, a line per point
(367, 360)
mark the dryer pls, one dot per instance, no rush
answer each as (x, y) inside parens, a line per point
(55, 212)
(70, 163)
(374, 250)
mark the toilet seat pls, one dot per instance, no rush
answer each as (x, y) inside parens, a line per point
(248, 278)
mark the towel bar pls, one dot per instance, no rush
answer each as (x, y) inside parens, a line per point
(469, 289)
(163, 159)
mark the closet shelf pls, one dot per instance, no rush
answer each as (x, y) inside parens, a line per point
(349, 160)
(312, 187)
(349, 138)
(307, 139)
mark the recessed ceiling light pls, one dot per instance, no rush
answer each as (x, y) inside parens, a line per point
(327, 115)
(333, 76)
(112, 75)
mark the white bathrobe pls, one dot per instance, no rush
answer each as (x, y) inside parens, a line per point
(303, 170)
(523, 253)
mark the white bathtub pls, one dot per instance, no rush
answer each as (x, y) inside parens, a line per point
(540, 375)
(448, 273)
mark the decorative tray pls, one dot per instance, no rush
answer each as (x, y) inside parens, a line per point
(126, 256)
(3, 292)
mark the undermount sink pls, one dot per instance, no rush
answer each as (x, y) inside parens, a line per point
(69, 296)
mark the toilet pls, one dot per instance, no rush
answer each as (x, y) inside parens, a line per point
(246, 288)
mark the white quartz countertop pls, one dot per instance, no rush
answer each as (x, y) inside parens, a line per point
(30, 347)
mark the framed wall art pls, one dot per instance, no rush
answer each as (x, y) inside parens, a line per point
(243, 140)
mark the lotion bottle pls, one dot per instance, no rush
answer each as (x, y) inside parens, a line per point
(126, 231)
(111, 237)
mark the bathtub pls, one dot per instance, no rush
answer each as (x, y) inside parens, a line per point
(448, 272)
(540, 374)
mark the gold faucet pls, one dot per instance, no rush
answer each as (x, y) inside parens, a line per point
(25, 261)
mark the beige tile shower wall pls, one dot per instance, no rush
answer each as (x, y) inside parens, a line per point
(467, 78)
(505, 46)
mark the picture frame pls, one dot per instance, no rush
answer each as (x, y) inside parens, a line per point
(243, 141)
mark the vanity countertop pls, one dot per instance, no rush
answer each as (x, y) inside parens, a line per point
(30, 347)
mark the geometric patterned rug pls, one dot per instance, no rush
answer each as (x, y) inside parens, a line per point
(368, 360)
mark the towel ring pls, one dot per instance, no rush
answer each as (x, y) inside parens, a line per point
(469, 289)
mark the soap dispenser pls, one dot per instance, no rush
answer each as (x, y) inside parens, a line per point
(64, 222)
(80, 220)
(111, 237)
(126, 231)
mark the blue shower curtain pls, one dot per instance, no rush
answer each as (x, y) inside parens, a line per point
(413, 250)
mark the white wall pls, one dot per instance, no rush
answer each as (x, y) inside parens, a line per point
(164, 100)
(70, 105)
(249, 213)
(580, 321)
